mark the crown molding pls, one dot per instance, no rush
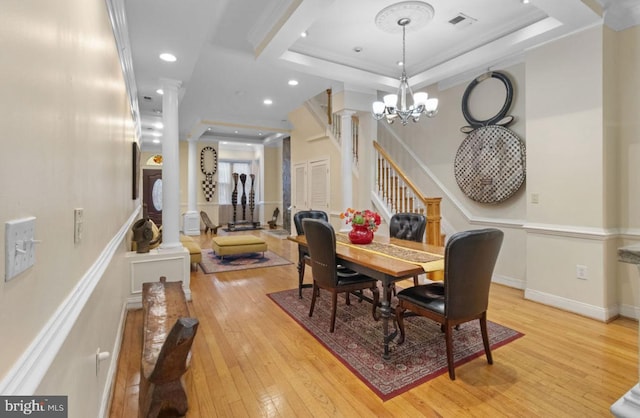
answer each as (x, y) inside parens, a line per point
(620, 14)
(118, 17)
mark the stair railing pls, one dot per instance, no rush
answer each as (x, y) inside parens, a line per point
(400, 194)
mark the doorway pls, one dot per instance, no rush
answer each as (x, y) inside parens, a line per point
(152, 194)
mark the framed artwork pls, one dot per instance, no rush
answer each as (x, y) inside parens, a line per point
(135, 158)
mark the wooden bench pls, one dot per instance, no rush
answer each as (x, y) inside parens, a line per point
(168, 334)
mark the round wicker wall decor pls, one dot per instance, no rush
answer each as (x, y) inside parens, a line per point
(490, 164)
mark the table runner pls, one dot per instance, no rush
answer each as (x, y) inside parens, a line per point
(428, 261)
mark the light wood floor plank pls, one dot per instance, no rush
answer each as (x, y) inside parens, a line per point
(251, 359)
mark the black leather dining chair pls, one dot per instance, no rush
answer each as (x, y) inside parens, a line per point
(321, 241)
(408, 226)
(463, 296)
(303, 254)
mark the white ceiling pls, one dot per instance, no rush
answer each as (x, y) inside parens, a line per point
(232, 54)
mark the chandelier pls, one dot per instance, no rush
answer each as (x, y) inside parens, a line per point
(421, 104)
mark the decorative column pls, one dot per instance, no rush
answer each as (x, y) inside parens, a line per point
(191, 221)
(629, 404)
(170, 166)
(346, 147)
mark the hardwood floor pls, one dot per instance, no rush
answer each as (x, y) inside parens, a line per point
(250, 359)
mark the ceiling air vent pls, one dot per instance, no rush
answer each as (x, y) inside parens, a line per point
(462, 19)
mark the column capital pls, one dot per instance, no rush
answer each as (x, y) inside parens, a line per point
(169, 82)
(346, 112)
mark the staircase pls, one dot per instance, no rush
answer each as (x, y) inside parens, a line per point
(400, 194)
(393, 189)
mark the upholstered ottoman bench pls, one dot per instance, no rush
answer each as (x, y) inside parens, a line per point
(195, 253)
(229, 245)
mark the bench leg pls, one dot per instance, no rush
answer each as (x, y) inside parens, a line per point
(167, 398)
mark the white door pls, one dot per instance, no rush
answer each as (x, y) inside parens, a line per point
(310, 186)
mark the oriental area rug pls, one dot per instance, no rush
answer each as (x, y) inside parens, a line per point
(212, 264)
(357, 342)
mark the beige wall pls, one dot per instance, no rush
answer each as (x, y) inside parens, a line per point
(626, 126)
(67, 135)
(273, 180)
(566, 166)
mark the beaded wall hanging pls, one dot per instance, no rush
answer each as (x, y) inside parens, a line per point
(489, 166)
(208, 166)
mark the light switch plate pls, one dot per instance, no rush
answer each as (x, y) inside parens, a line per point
(19, 246)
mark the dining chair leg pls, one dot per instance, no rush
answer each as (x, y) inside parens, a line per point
(313, 298)
(416, 282)
(400, 320)
(300, 277)
(334, 305)
(485, 338)
(448, 335)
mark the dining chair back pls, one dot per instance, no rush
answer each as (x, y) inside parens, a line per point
(408, 226)
(469, 259)
(321, 241)
(303, 254)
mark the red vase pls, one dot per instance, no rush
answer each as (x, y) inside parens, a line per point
(360, 234)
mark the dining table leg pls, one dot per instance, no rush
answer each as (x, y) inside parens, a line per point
(385, 313)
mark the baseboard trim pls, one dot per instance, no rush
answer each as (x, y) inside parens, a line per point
(29, 370)
(630, 311)
(569, 305)
(509, 281)
(107, 392)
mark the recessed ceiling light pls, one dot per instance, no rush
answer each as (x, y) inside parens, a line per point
(160, 92)
(268, 101)
(209, 129)
(156, 134)
(156, 141)
(525, 1)
(293, 82)
(357, 48)
(165, 56)
(400, 63)
(158, 125)
(235, 132)
(304, 34)
(260, 133)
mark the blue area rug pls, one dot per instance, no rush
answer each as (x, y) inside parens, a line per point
(212, 264)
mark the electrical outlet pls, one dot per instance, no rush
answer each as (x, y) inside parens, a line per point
(581, 272)
(535, 198)
(78, 225)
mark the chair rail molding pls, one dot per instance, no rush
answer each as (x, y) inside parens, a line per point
(574, 231)
(29, 370)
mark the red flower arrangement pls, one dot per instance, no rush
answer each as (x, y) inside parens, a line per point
(366, 217)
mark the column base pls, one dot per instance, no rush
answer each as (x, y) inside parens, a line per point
(148, 267)
(628, 405)
(191, 223)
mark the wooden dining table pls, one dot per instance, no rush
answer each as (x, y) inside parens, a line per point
(381, 260)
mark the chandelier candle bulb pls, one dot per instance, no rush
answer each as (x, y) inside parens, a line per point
(420, 98)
